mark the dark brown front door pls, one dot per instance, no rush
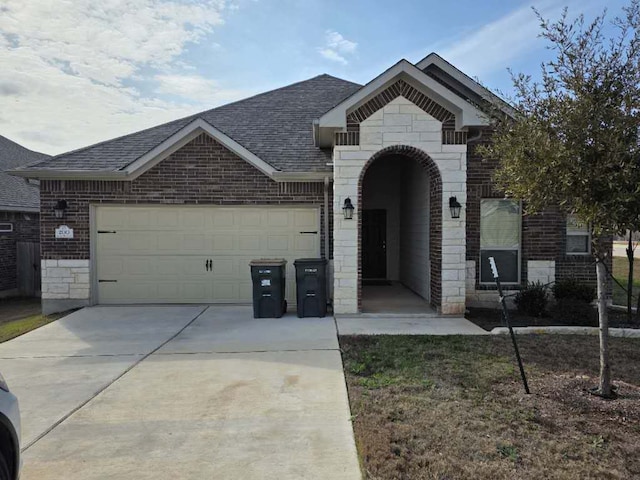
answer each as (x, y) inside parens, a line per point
(374, 243)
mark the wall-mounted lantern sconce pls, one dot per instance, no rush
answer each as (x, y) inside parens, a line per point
(348, 209)
(455, 207)
(60, 208)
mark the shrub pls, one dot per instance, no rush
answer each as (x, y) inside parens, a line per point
(570, 311)
(573, 289)
(532, 300)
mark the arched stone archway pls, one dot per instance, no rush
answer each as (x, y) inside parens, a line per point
(402, 128)
(427, 164)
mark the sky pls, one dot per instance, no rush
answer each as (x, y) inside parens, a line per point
(76, 72)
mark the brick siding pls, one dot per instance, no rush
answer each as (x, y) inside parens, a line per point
(543, 235)
(203, 172)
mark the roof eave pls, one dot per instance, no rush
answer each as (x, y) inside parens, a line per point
(153, 157)
(467, 115)
(18, 208)
(48, 174)
(435, 59)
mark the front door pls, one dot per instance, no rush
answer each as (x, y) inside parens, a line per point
(374, 244)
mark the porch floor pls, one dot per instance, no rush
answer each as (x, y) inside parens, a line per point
(393, 298)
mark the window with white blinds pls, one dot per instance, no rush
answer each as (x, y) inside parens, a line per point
(500, 225)
(578, 237)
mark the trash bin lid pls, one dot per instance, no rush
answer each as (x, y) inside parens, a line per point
(301, 261)
(268, 262)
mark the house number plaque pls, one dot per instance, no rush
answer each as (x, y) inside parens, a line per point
(64, 232)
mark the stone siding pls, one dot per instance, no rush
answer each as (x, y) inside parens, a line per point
(401, 123)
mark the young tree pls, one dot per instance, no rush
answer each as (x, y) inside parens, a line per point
(574, 142)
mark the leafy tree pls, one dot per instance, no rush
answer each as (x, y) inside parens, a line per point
(574, 140)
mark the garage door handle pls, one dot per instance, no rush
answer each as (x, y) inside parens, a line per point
(315, 232)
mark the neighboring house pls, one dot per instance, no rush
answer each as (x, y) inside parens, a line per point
(19, 222)
(269, 176)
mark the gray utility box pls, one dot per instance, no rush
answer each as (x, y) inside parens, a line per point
(268, 278)
(311, 287)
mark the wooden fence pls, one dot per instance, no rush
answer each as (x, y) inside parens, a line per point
(28, 264)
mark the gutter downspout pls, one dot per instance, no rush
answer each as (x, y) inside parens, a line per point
(326, 236)
(476, 137)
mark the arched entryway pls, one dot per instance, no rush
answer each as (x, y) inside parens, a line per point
(399, 232)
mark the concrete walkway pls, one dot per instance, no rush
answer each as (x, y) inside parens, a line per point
(181, 392)
(397, 324)
(567, 330)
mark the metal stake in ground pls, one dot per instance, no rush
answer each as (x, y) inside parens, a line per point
(505, 315)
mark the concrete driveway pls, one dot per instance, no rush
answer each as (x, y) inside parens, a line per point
(181, 392)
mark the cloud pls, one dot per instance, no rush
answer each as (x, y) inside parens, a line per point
(68, 67)
(337, 47)
(196, 88)
(496, 44)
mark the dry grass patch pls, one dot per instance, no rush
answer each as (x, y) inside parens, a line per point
(454, 408)
(621, 272)
(15, 328)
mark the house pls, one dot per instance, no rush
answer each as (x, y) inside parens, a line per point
(19, 223)
(174, 213)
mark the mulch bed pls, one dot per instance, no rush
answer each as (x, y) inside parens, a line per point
(489, 318)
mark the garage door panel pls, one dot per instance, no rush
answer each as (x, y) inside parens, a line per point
(194, 243)
(249, 218)
(222, 218)
(305, 243)
(249, 241)
(140, 218)
(165, 219)
(306, 218)
(110, 266)
(278, 243)
(278, 218)
(196, 219)
(226, 292)
(169, 242)
(169, 291)
(223, 242)
(159, 254)
(225, 267)
(190, 266)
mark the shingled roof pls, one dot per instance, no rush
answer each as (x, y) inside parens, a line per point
(276, 126)
(17, 193)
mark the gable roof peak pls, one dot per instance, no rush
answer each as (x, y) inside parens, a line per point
(434, 65)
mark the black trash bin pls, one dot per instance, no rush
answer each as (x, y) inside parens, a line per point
(268, 278)
(311, 287)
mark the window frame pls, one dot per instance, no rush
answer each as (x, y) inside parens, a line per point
(517, 250)
(6, 227)
(575, 233)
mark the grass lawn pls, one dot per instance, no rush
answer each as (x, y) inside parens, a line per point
(454, 408)
(14, 328)
(620, 272)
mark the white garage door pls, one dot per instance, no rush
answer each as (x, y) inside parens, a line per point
(180, 254)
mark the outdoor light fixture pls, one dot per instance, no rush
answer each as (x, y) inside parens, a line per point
(455, 207)
(59, 209)
(348, 209)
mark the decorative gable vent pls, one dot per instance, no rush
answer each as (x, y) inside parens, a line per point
(301, 188)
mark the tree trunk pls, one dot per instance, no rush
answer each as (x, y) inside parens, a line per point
(605, 368)
(630, 278)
